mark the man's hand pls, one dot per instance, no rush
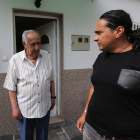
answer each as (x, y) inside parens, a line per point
(17, 113)
(80, 122)
(53, 103)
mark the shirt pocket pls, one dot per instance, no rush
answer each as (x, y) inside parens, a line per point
(46, 74)
(129, 79)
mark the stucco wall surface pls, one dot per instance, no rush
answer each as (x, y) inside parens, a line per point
(8, 124)
(75, 87)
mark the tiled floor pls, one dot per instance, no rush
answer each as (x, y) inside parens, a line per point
(66, 131)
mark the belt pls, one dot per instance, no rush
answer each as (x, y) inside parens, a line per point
(113, 138)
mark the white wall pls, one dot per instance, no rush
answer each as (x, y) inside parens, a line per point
(80, 18)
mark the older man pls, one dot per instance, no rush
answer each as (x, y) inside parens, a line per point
(30, 81)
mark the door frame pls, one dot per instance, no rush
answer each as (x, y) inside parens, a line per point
(58, 67)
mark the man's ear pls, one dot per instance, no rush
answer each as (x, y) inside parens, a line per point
(119, 31)
(24, 44)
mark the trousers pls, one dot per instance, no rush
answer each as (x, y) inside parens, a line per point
(90, 134)
(28, 125)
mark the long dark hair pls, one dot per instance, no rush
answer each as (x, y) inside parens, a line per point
(117, 18)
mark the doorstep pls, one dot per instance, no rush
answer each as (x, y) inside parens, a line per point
(56, 120)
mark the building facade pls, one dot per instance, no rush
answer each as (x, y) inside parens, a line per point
(58, 21)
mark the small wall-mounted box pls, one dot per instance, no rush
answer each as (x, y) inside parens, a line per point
(80, 43)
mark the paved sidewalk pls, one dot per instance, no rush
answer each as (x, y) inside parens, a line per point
(66, 131)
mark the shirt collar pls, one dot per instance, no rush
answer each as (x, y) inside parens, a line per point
(24, 56)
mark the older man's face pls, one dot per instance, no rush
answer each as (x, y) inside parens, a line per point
(33, 45)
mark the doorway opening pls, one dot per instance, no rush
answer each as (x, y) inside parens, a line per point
(48, 28)
(23, 23)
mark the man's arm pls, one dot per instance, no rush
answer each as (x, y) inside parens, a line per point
(16, 112)
(81, 120)
(52, 90)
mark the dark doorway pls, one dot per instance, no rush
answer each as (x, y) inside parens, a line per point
(26, 23)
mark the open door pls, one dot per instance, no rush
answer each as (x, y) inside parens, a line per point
(48, 43)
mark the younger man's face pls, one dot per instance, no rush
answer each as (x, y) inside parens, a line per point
(104, 36)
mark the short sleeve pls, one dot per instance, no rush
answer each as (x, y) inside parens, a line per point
(98, 59)
(11, 78)
(94, 65)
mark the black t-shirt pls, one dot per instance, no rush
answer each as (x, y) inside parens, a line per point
(114, 108)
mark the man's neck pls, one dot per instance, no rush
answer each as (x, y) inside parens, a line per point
(32, 58)
(122, 46)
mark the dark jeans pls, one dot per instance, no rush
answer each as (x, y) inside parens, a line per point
(27, 126)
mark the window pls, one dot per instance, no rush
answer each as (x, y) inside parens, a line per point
(80, 40)
(86, 40)
(45, 39)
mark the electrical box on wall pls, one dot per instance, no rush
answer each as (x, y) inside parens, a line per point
(80, 43)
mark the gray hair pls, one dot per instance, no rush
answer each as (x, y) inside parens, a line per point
(24, 34)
